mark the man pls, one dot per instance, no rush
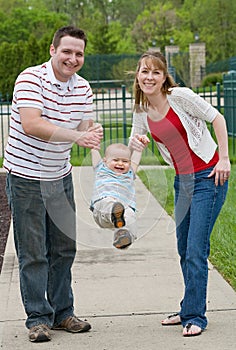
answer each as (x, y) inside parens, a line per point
(51, 109)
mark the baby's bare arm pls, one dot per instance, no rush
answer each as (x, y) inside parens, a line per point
(135, 160)
(96, 157)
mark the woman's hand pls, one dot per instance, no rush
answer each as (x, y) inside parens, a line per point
(221, 171)
(222, 168)
(138, 142)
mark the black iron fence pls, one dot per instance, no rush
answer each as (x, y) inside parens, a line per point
(113, 109)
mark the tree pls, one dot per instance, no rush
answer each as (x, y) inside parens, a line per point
(21, 22)
(215, 23)
(114, 27)
(154, 25)
(10, 65)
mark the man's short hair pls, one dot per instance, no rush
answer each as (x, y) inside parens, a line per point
(68, 31)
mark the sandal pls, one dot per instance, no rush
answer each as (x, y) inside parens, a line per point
(172, 320)
(191, 330)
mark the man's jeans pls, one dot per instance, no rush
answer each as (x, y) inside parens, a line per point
(45, 240)
(197, 204)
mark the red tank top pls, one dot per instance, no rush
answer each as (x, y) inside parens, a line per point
(172, 134)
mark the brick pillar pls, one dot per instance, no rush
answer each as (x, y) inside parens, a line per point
(169, 52)
(197, 57)
(155, 48)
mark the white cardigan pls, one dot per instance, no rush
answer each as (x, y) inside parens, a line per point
(193, 112)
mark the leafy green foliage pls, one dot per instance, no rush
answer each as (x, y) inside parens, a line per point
(154, 26)
(212, 79)
(114, 27)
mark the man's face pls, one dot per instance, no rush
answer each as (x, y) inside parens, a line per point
(68, 58)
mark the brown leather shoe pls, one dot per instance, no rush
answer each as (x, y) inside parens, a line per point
(74, 325)
(39, 333)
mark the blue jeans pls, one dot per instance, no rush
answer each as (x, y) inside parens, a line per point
(43, 215)
(197, 205)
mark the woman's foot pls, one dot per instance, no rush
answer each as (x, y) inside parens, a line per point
(191, 330)
(171, 320)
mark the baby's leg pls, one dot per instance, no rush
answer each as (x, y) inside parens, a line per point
(130, 220)
(102, 212)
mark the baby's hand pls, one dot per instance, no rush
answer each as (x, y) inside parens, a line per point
(144, 139)
(138, 142)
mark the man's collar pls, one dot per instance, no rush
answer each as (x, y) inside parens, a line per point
(71, 82)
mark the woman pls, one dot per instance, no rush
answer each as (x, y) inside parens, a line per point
(176, 119)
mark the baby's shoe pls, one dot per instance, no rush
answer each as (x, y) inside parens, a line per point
(122, 239)
(117, 215)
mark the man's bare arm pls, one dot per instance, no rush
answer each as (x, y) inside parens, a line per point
(33, 124)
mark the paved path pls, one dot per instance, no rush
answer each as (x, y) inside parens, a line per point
(123, 294)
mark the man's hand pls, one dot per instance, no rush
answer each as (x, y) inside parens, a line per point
(92, 137)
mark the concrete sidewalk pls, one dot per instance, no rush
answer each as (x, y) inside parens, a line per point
(123, 294)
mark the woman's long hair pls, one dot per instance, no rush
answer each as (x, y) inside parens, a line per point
(155, 58)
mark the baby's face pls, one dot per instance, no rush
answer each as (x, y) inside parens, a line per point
(118, 161)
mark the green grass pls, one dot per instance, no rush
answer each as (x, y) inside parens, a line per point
(160, 183)
(223, 239)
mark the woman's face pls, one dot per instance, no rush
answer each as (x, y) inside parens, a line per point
(150, 78)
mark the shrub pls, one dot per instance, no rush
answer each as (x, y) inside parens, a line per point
(212, 79)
